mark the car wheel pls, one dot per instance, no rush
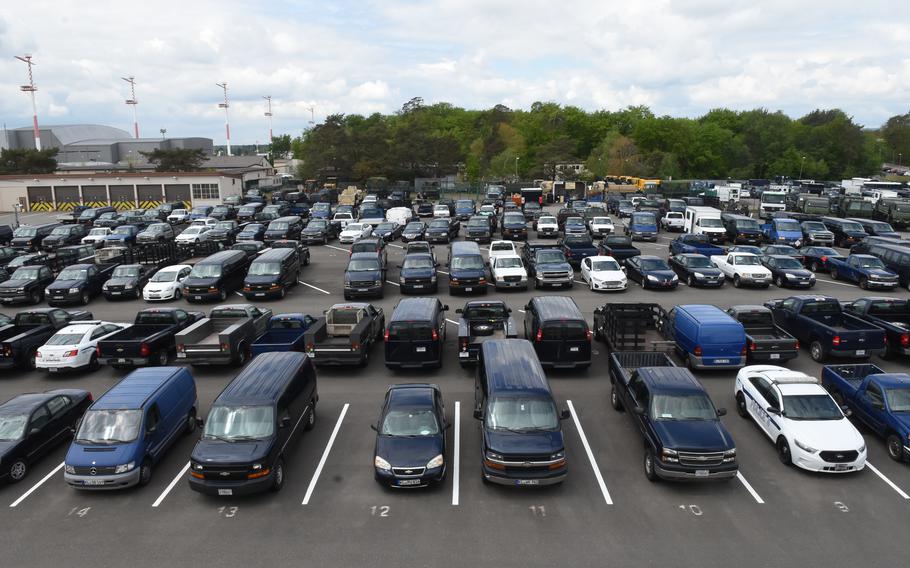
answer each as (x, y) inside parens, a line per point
(278, 479)
(282, 293)
(650, 473)
(736, 281)
(93, 364)
(690, 281)
(190, 422)
(741, 406)
(864, 283)
(31, 360)
(222, 295)
(34, 297)
(311, 419)
(783, 451)
(18, 470)
(365, 360)
(895, 447)
(347, 296)
(817, 352)
(834, 275)
(779, 282)
(614, 400)
(642, 283)
(145, 472)
(162, 358)
(814, 266)
(85, 298)
(178, 294)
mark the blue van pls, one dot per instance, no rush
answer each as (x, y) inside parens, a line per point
(522, 441)
(131, 427)
(467, 268)
(707, 337)
(642, 226)
(783, 231)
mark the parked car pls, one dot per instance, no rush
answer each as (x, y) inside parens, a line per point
(271, 274)
(156, 232)
(317, 231)
(642, 226)
(252, 232)
(29, 237)
(890, 314)
(547, 265)
(546, 226)
(788, 272)
(765, 340)
(284, 332)
(222, 338)
(78, 283)
(673, 221)
(508, 271)
(577, 247)
(216, 276)
(743, 268)
(559, 332)
(815, 258)
(26, 285)
(149, 341)
(706, 337)
(442, 230)
(30, 329)
(96, 236)
(694, 244)
(816, 234)
(364, 276)
(514, 226)
(73, 347)
(63, 235)
(345, 334)
(651, 272)
(166, 283)
(175, 217)
(480, 321)
(283, 228)
(417, 274)
(388, 231)
(864, 269)
(416, 334)
(127, 281)
(224, 232)
(696, 270)
(603, 273)
(619, 247)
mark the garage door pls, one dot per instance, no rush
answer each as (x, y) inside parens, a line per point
(123, 197)
(178, 192)
(94, 195)
(149, 195)
(40, 199)
(67, 197)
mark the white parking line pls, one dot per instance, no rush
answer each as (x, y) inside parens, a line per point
(37, 485)
(826, 281)
(584, 441)
(239, 294)
(325, 456)
(749, 488)
(394, 283)
(313, 287)
(453, 322)
(521, 311)
(171, 485)
(442, 271)
(337, 248)
(886, 480)
(456, 453)
(396, 246)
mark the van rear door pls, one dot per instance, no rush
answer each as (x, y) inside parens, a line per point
(721, 344)
(564, 343)
(412, 343)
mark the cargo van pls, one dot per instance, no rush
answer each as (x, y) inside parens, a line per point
(705, 221)
(742, 229)
(706, 337)
(253, 424)
(415, 334)
(522, 441)
(283, 228)
(216, 276)
(130, 428)
(467, 268)
(271, 274)
(559, 332)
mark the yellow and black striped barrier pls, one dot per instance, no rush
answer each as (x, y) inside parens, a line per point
(66, 206)
(149, 204)
(95, 203)
(124, 205)
(42, 206)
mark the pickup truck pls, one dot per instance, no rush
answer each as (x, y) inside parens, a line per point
(345, 335)
(149, 341)
(285, 332)
(821, 323)
(743, 268)
(665, 402)
(480, 321)
(765, 340)
(864, 269)
(630, 327)
(223, 338)
(577, 247)
(29, 330)
(890, 314)
(547, 265)
(694, 244)
(26, 285)
(619, 247)
(878, 399)
(78, 283)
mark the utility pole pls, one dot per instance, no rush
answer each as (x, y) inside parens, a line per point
(31, 89)
(133, 102)
(268, 114)
(227, 124)
(312, 117)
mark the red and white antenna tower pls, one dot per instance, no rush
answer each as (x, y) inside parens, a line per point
(133, 102)
(31, 89)
(227, 124)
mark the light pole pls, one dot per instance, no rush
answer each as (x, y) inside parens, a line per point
(801, 162)
(31, 89)
(133, 102)
(516, 168)
(268, 114)
(900, 159)
(227, 124)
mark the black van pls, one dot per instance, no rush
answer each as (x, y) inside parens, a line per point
(467, 269)
(895, 257)
(559, 332)
(846, 233)
(283, 228)
(416, 334)
(29, 237)
(272, 273)
(742, 230)
(216, 276)
(251, 425)
(88, 216)
(522, 441)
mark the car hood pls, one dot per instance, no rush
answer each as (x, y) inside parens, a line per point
(417, 272)
(15, 283)
(122, 281)
(712, 271)
(54, 238)
(261, 279)
(81, 455)
(825, 434)
(819, 233)
(513, 226)
(880, 272)
(438, 230)
(643, 226)
(217, 451)
(6, 447)
(113, 237)
(553, 266)
(523, 443)
(307, 231)
(362, 275)
(889, 234)
(694, 435)
(161, 286)
(408, 452)
(608, 274)
(200, 282)
(188, 237)
(800, 272)
(57, 284)
(511, 271)
(661, 274)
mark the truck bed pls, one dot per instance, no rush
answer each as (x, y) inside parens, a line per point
(767, 334)
(853, 375)
(629, 361)
(842, 323)
(137, 332)
(10, 331)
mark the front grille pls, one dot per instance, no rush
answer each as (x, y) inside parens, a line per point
(95, 470)
(198, 290)
(408, 471)
(839, 457)
(511, 279)
(468, 281)
(225, 472)
(554, 275)
(692, 459)
(362, 284)
(115, 288)
(417, 280)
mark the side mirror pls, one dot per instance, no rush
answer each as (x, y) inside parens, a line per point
(200, 422)
(445, 307)
(151, 430)
(285, 422)
(774, 411)
(565, 414)
(639, 410)
(508, 310)
(721, 411)
(34, 431)
(459, 310)
(846, 410)
(478, 414)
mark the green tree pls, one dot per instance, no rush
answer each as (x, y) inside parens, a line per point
(176, 159)
(28, 161)
(896, 134)
(280, 146)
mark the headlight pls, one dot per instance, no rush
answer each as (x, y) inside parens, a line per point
(804, 447)
(675, 278)
(377, 282)
(668, 455)
(433, 278)
(69, 469)
(435, 462)
(197, 466)
(401, 279)
(558, 455)
(104, 286)
(862, 448)
(382, 464)
(730, 455)
(494, 456)
(789, 276)
(652, 278)
(257, 466)
(347, 285)
(74, 290)
(47, 291)
(698, 274)
(125, 467)
(129, 286)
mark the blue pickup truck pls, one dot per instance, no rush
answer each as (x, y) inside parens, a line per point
(820, 323)
(864, 269)
(577, 248)
(783, 230)
(878, 399)
(890, 314)
(285, 332)
(642, 226)
(697, 244)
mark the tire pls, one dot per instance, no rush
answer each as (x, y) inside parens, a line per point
(283, 293)
(243, 355)
(834, 274)
(178, 294)
(779, 282)
(311, 419)
(895, 447)
(741, 406)
(190, 422)
(365, 360)
(145, 472)
(85, 298)
(615, 402)
(347, 296)
(648, 464)
(814, 267)
(689, 364)
(93, 364)
(34, 297)
(31, 361)
(817, 352)
(864, 283)
(162, 358)
(690, 281)
(222, 295)
(783, 451)
(642, 283)
(278, 477)
(736, 282)
(17, 471)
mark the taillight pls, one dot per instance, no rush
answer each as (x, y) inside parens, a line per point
(98, 350)
(835, 340)
(385, 336)
(355, 346)
(589, 334)
(824, 259)
(310, 346)
(225, 347)
(797, 345)
(434, 336)
(905, 339)
(751, 346)
(539, 337)
(144, 350)
(697, 351)
(90, 397)
(743, 350)
(464, 343)
(72, 353)
(180, 348)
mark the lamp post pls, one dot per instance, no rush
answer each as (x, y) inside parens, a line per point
(31, 89)
(227, 125)
(801, 162)
(516, 168)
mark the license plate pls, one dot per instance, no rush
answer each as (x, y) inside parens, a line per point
(197, 297)
(527, 482)
(860, 351)
(361, 289)
(93, 482)
(420, 349)
(573, 349)
(417, 286)
(260, 293)
(721, 360)
(115, 293)
(841, 467)
(701, 473)
(463, 355)
(121, 360)
(227, 492)
(402, 482)
(775, 355)
(53, 369)
(468, 289)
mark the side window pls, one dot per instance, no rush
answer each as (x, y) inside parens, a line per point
(858, 306)
(45, 272)
(874, 394)
(181, 315)
(255, 312)
(98, 332)
(152, 419)
(40, 418)
(58, 405)
(788, 304)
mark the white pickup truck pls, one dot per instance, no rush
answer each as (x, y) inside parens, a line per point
(743, 268)
(673, 221)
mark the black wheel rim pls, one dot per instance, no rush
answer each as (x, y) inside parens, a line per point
(17, 470)
(894, 447)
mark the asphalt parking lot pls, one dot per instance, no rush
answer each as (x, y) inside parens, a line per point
(332, 513)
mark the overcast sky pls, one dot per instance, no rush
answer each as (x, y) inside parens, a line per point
(681, 58)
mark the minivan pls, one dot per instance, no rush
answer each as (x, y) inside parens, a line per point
(248, 212)
(283, 228)
(521, 441)
(130, 428)
(467, 269)
(272, 273)
(415, 334)
(706, 337)
(215, 276)
(253, 423)
(558, 331)
(29, 237)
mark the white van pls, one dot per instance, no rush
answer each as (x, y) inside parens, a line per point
(705, 221)
(400, 215)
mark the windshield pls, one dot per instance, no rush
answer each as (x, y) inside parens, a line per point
(747, 224)
(277, 226)
(606, 265)
(363, 265)
(201, 210)
(194, 230)
(502, 246)
(654, 264)
(165, 276)
(872, 262)
(546, 221)
(772, 197)
(177, 212)
(546, 256)
(61, 231)
(206, 271)
(602, 221)
(711, 222)
(157, 228)
(699, 262)
(25, 273)
(482, 222)
(744, 260)
(811, 407)
(109, 426)
(521, 414)
(409, 423)
(625, 204)
(12, 426)
(898, 400)
(508, 262)
(239, 423)
(386, 226)
(25, 232)
(354, 227)
(825, 251)
(227, 225)
(439, 225)
(73, 274)
(424, 262)
(247, 210)
(788, 263)
(409, 228)
(815, 226)
(855, 227)
(467, 262)
(125, 272)
(881, 227)
(64, 339)
(265, 269)
(123, 231)
(321, 207)
(485, 311)
(694, 406)
(317, 224)
(516, 218)
(99, 232)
